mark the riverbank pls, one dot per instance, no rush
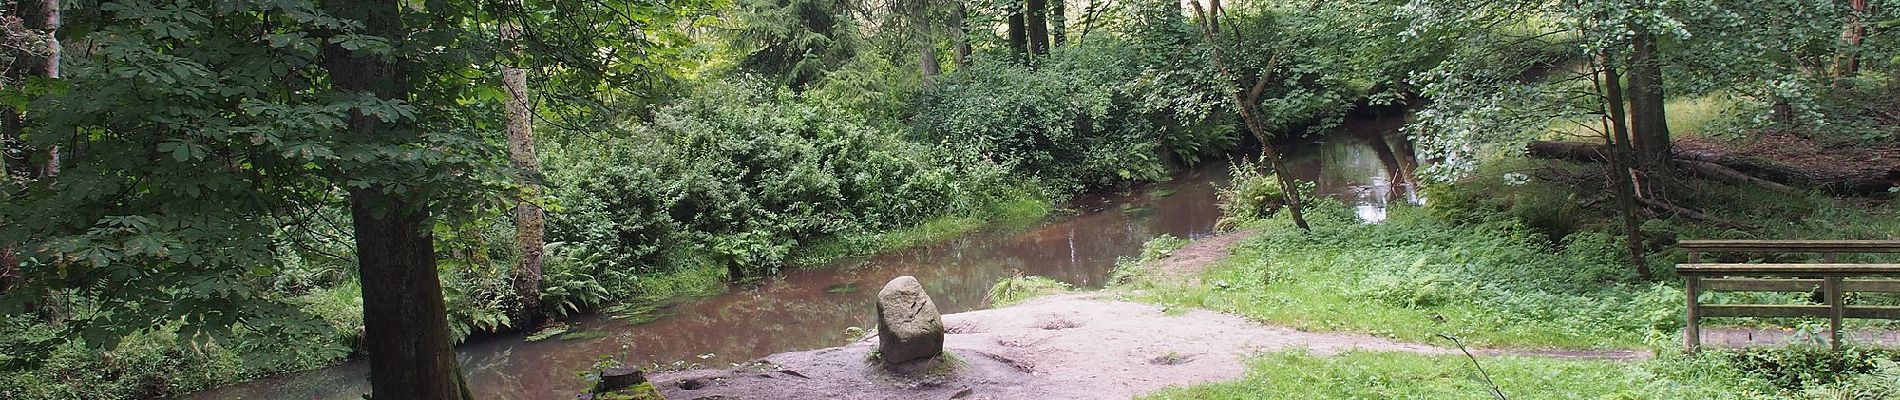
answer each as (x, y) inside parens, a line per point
(1098, 344)
(1067, 346)
(1355, 310)
(812, 306)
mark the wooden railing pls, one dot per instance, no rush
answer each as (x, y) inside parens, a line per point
(1833, 280)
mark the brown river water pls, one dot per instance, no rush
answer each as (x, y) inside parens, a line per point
(1364, 164)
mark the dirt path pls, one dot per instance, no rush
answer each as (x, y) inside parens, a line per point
(1188, 261)
(1081, 346)
(1075, 346)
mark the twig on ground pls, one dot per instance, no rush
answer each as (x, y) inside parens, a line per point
(1493, 386)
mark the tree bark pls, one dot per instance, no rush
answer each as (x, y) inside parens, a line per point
(1730, 175)
(1847, 59)
(51, 24)
(1649, 121)
(1213, 14)
(1038, 29)
(529, 218)
(962, 47)
(10, 125)
(1579, 152)
(927, 61)
(405, 323)
(1059, 22)
(1620, 168)
(1018, 31)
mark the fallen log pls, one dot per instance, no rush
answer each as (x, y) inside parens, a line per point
(1768, 173)
(1860, 181)
(1718, 172)
(1579, 152)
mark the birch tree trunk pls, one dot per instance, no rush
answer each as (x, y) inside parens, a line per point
(529, 218)
(52, 23)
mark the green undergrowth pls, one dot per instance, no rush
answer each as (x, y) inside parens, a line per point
(1525, 254)
(1367, 375)
(1769, 373)
(1414, 277)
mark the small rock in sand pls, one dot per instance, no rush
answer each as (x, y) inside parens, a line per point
(908, 325)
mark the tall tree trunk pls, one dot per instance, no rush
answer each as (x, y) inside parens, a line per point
(927, 61)
(51, 25)
(1018, 31)
(1213, 15)
(1059, 22)
(1038, 29)
(1847, 59)
(1649, 121)
(10, 125)
(529, 219)
(405, 324)
(1620, 170)
(1248, 102)
(962, 47)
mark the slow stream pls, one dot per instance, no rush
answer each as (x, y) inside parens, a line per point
(1364, 164)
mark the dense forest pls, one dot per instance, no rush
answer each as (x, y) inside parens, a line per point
(201, 193)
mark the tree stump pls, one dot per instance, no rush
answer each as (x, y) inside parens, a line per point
(612, 379)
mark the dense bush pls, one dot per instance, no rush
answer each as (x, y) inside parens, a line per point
(742, 174)
(1251, 194)
(1084, 117)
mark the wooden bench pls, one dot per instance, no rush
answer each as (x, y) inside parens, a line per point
(1832, 279)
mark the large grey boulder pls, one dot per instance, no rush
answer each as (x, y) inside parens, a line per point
(908, 325)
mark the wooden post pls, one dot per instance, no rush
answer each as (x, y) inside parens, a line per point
(1827, 257)
(1836, 309)
(1695, 256)
(1692, 331)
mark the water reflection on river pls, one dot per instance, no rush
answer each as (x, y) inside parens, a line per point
(1364, 165)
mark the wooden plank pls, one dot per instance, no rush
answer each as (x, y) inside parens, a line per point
(1759, 285)
(1871, 285)
(1872, 312)
(1805, 246)
(1797, 285)
(1787, 269)
(1836, 309)
(1692, 332)
(1804, 310)
(1762, 310)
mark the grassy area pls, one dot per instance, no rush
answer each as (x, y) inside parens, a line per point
(1363, 375)
(1523, 253)
(1414, 277)
(1690, 117)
